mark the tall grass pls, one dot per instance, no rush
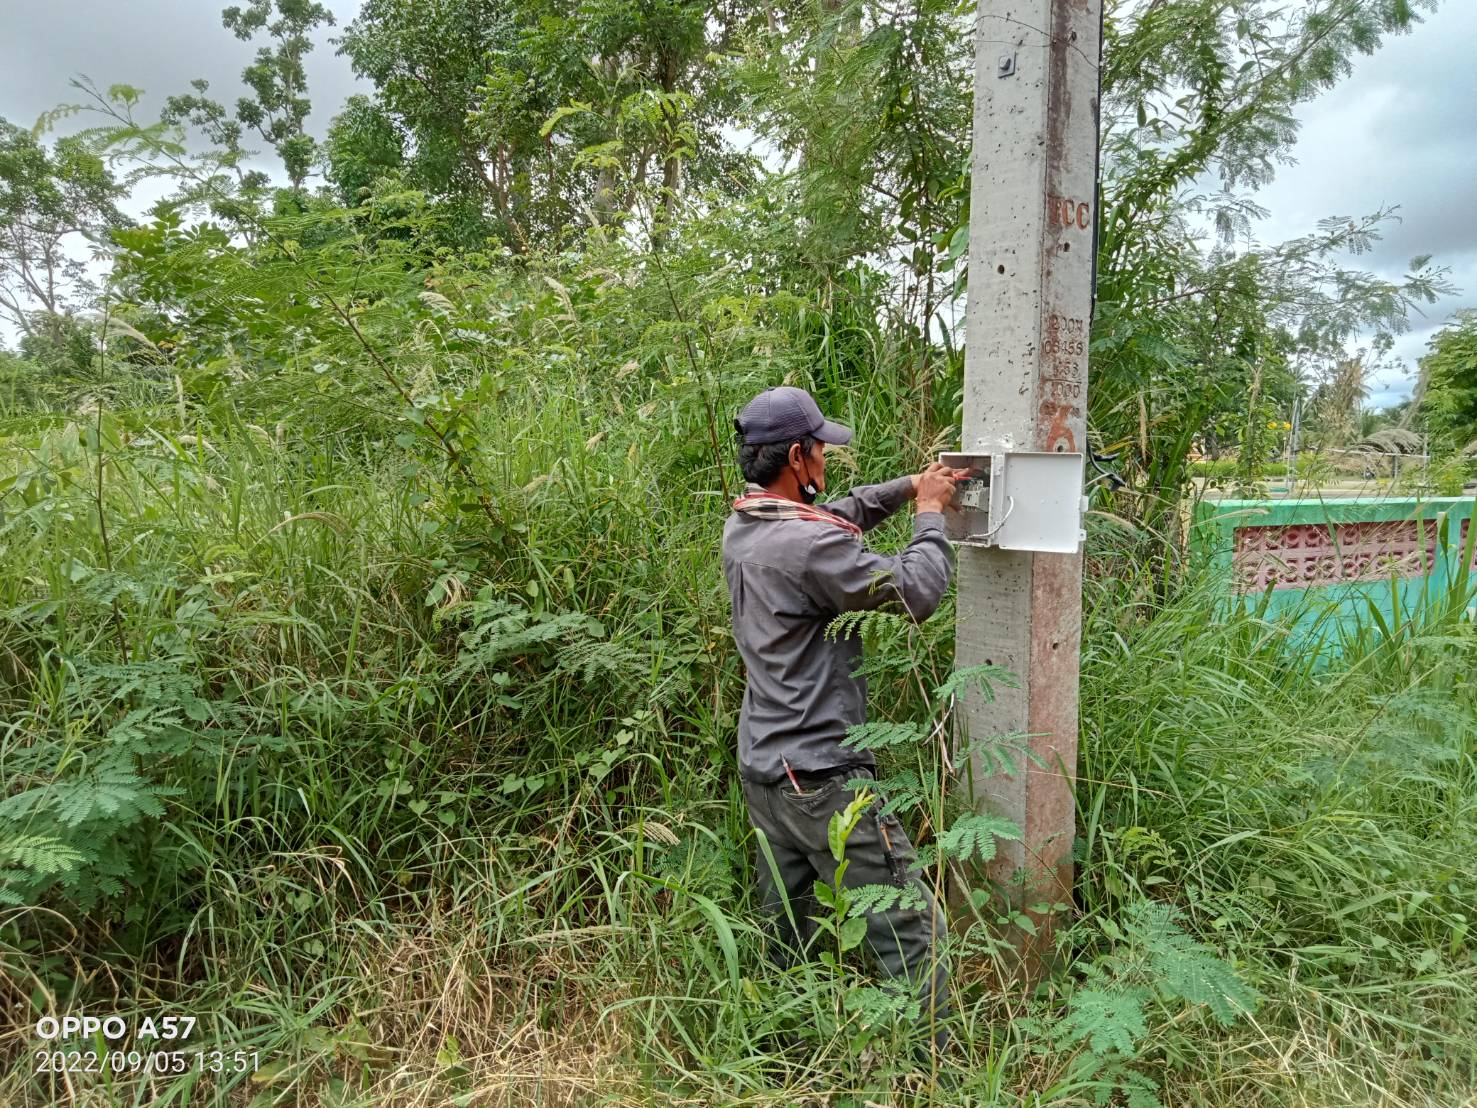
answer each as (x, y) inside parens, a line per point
(436, 829)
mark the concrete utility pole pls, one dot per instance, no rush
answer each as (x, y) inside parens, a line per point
(1033, 214)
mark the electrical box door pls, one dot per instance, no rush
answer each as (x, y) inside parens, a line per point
(1019, 500)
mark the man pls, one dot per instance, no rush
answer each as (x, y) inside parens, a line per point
(791, 568)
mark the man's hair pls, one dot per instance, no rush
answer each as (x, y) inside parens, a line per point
(762, 462)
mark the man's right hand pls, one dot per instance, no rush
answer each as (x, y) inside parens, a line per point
(936, 486)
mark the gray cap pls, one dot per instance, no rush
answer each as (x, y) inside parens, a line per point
(785, 413)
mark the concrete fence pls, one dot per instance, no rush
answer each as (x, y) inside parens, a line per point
(1335, 567)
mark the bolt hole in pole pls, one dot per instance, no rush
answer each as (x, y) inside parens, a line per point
(1000, 269)
(1066, 246)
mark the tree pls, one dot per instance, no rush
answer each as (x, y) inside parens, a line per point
(363, 144)
(279, 110)
(523, 115)
(1338, 402)
(54, 204)
(1448, 401)
(1198, 104)
(1189, 339)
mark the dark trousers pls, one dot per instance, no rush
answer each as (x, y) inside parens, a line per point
(904, 940)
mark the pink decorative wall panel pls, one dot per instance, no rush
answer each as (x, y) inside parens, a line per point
(1312, 555)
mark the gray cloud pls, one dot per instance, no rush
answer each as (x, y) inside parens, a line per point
(156, 45)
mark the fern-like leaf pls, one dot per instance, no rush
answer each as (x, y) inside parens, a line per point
(975, 834)
(998, 755)
(501, 630)
(985, 677)
(151, 731)
(1111, 1022)
(867, 899)
(113, 793)
(40, 854)
(868, 623)
(903, 791)
(876, 734)
(1185, 968)
(591, 658)
(156, 681)
(877, 1006)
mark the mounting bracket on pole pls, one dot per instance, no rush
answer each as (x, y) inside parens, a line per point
(1021, 500)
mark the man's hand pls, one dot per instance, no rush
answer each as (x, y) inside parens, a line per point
(917, 477)
(934, 487)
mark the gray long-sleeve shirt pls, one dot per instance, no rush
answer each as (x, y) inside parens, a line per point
(787, 579)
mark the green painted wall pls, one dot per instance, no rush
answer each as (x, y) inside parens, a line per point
(1324, 541)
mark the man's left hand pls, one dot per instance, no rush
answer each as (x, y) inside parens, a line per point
(957, 474)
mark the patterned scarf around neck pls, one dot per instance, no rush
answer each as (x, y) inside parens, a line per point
(765, 505)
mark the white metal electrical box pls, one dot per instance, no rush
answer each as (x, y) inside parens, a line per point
(1020, 500)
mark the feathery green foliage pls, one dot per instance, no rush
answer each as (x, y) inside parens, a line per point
(365, 675)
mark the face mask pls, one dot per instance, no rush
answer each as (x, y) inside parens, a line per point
(808, 491)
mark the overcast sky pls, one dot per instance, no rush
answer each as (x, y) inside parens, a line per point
(1402, 130)
(159, 46)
